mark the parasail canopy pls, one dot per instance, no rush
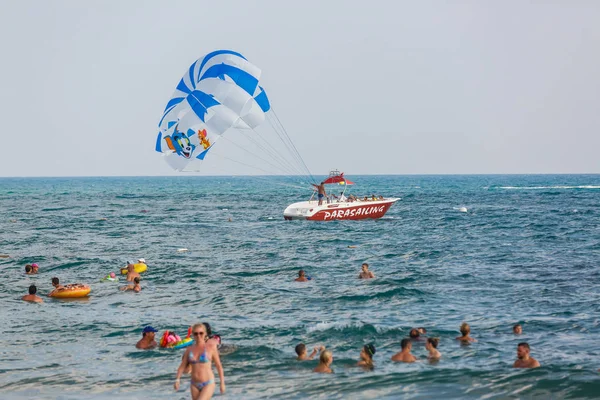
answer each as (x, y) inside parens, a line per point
(219, 91)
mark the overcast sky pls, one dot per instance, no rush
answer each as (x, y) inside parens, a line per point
(394, 87)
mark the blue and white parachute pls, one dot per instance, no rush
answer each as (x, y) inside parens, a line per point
(218, 92)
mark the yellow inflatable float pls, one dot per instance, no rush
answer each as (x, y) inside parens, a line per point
(70, 291)
(139, 268)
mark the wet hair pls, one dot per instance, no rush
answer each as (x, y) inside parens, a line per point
(524, 344)
(465, 329)
(301, 272)
(28, 268)
(365, 264)
(414, 333)
(325, 356)
(32, 289)
(370, 350)
(301, 348)
(136, 279)
(433, 341)
(422, 330)
(517, 326)
(405, 343)
(208, 329)
(55, 281)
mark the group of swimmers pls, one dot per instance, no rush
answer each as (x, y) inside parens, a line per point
(198, 358)
(524, 359)
(33, 297)
(133, 278)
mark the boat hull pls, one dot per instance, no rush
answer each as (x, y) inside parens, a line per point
(310, 210)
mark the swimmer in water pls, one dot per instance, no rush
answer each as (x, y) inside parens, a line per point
(301, 277)
(422, 331)
(524, 360)
(325, 360)
(404, 354)
(365, 273)
(431, 346)
(135, 286)
(56, 284)
(303, 354)
(215, 340)
(199, 357)
(415, 334)
(517, 329)
(32, 295)
(28, 270)
(147, 341)
(131, 273)
(366, 357)
(465, 330)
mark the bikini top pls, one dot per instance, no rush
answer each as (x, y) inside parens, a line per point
(202, 359)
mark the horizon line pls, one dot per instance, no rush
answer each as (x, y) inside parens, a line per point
(283, 176)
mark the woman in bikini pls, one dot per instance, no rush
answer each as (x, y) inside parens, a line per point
(199, 357)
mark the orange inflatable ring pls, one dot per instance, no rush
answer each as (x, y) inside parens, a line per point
(72, 290)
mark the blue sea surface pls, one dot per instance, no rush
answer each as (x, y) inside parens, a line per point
(527, 250)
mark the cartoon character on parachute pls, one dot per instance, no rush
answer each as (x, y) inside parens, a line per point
(180, 143)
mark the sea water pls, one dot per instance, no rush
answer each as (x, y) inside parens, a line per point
(489, 250)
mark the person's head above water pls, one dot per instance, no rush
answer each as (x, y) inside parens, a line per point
(301, 273)
(142, 260)
(148, 329)
(55, 281)
(433, 342)
(365, 267)
(369, 351)
(422, 331)
(112, 275)
(32, 289)
(465, 329)
(300, 349)
(28, 269)
(406, 344)
(136, 279)
(414, 333)
(523, 350)
(517, 329)
(326, 357)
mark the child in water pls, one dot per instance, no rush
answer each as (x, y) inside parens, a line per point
(325, 361)
(303, 354)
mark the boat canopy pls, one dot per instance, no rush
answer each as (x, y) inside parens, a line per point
(337, 177)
